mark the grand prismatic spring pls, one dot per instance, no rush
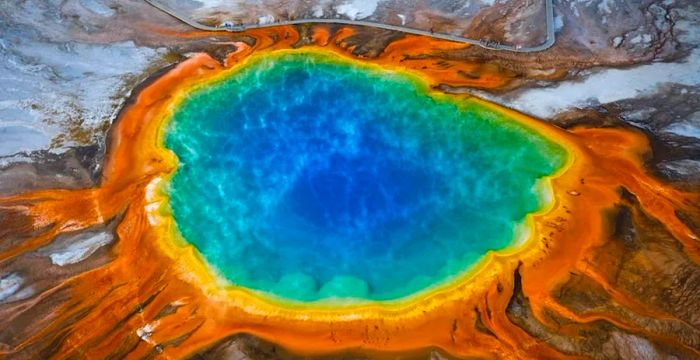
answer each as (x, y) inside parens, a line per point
(348, 181)
(331, 204)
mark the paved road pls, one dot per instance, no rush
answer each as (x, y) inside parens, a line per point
(488, 45)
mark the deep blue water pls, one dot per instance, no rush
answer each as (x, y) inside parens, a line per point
(310, 178)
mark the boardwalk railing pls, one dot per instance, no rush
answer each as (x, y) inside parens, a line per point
(488, 44)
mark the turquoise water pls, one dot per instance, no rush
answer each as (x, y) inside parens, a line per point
(309, 178)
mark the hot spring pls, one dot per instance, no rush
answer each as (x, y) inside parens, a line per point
(304, 177)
